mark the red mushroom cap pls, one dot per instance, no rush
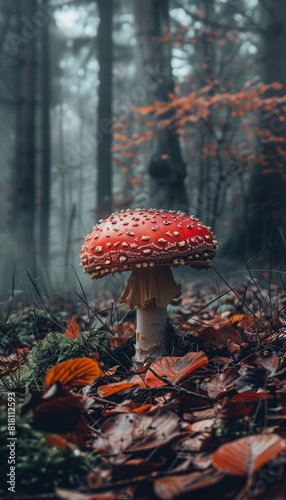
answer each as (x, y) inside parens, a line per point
(136, 238)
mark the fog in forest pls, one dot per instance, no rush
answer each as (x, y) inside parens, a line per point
(167, 104)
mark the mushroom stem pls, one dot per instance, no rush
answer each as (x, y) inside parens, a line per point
(150, 334)
(150, 289)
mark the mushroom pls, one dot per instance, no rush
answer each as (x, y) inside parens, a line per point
(148, 242)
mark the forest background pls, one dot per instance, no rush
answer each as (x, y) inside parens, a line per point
(109, 105)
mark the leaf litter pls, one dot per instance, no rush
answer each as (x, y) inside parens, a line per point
(208, 419)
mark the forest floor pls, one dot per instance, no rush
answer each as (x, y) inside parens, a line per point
(207, 420)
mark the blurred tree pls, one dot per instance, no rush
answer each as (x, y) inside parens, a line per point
(46, 145)
(264, 220)
(166, 167)
(104, 126)
(23, 182)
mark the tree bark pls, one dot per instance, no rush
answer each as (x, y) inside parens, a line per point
(165, 165)
(104, 157)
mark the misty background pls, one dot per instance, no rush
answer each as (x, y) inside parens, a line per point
(109, 105)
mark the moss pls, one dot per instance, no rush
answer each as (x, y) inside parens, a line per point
(39, 469)
(53, 349)
(23, 327)
(233, 428)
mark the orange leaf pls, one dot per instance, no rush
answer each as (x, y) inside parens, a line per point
(277, 85)
(107, 390)
(167, 37)
(144, 110)
(147, 408)
(73, 373)
(53, 440)
(246, 455)
(244, 321)
(120, 137)
(150, 123)
(73, 329)
(118, 162)
(116, 341)
(174, 369)
(129, 154)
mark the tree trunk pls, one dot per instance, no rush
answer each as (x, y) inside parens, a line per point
(23, 199)
(264, 223)
(104, 157)
(165, 165)
(62, 218)
(81, 114)
(45, 95)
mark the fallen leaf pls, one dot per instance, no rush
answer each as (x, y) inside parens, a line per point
(245, 456)
(219, 337)
(131, 432)
(174, 368)
(220, 384)
(171, 486)
(73, 329)
(228, 409)
(73, 373)
(270, 363)
(108, 389)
